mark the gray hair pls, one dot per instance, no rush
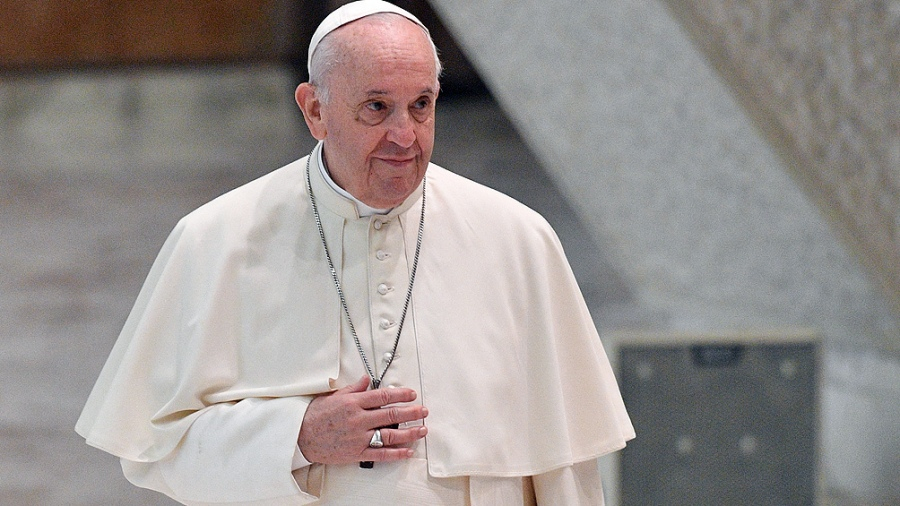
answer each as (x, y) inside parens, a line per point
(330, 54)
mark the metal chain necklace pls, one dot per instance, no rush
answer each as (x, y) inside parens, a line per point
(376, 382)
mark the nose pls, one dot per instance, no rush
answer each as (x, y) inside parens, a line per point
(401, 129)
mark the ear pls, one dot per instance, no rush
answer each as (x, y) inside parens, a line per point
(312, 109)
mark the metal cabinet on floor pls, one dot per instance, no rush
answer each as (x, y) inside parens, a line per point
(720, 420)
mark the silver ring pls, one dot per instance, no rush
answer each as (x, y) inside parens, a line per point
(376, 441)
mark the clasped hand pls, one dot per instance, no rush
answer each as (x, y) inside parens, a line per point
(338, 426)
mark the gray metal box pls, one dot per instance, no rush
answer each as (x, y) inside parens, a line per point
(728, 420)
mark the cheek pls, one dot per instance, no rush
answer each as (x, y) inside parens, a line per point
(357, 143)
(425, 131)
(426, 137)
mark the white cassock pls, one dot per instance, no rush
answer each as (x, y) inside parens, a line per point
(239, 326)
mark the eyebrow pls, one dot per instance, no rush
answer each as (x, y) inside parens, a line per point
(378, 93)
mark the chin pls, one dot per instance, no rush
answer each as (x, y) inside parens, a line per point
(393, 199)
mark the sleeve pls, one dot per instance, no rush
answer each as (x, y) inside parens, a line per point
(241, 453)
(575, 485)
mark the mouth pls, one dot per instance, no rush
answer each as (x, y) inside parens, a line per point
(398, 162)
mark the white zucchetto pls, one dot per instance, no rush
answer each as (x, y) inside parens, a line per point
(351, 12)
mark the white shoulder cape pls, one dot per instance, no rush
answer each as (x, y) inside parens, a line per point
(240, 304)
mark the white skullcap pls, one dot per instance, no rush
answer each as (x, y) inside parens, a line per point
(351, 12)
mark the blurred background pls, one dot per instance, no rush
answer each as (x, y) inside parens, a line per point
(724, 176)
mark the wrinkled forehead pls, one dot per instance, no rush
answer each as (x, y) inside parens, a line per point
(351, 12)
(381, 57)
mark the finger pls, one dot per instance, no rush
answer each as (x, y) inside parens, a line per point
(385, 454)
(396, 437)
(361, 385)
(395, 415)
(384, 396)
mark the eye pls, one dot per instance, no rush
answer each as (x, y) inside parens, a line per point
(422, 108)
(373, 113)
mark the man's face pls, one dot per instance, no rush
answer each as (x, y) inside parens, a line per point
(379, 121)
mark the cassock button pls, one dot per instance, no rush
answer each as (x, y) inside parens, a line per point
(385, 324)
(383, 289)
(379, 224)
(388, 356)
(382, 255)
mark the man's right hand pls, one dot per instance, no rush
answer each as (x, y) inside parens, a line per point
(338, 426)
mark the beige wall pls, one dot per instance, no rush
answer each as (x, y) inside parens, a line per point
(821, 80)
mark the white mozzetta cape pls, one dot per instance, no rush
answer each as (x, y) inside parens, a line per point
(240, 305)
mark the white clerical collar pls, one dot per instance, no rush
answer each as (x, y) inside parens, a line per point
(362, 209)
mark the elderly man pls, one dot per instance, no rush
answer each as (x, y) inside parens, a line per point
(361, 326)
